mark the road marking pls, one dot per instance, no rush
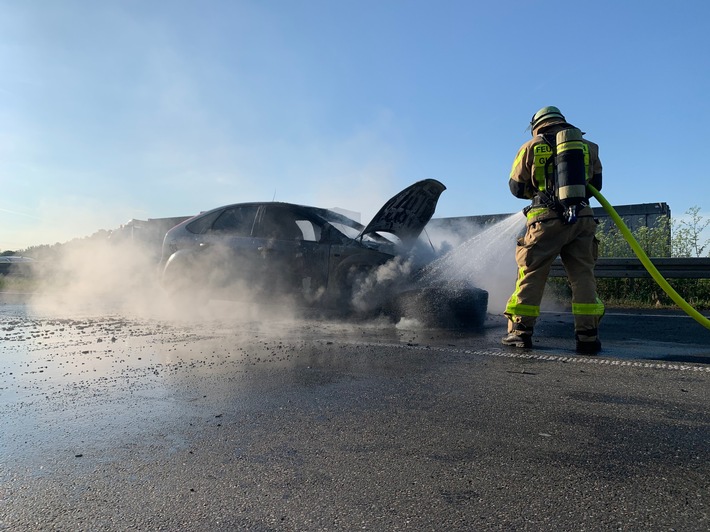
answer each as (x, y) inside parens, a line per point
(591, 360)
(527, 355)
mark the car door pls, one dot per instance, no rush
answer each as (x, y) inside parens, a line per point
(294, 261)
(229, 247)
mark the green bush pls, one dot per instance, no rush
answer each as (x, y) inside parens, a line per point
(646, 292)
(678, 239)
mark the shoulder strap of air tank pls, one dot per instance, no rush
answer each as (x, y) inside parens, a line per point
(547, 198)
(552, 143)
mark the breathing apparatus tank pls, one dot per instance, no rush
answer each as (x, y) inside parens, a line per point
(560, 164)
(571, 163)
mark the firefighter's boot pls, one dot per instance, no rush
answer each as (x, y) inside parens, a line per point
(587, 346)
(519, 336)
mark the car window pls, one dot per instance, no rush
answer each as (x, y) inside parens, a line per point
(203, 223)
(237, 220)
(347, 230)
(311, 232)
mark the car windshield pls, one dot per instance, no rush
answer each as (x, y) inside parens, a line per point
(337, 218)
(354, 233)
(352, 229)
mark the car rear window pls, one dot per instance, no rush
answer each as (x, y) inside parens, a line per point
(237, 220)
(202, 224)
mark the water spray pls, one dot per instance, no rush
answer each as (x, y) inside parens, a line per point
(641, 254)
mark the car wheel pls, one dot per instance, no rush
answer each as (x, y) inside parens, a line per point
(448, 306)
(182, 283)
(353, 293)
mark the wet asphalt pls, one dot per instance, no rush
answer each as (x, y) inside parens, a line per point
(118, 423)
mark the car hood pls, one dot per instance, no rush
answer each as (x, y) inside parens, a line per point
(406, 214)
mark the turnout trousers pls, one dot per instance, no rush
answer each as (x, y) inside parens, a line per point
(577, 246)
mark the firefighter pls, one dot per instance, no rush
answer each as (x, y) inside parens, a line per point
(552, 169)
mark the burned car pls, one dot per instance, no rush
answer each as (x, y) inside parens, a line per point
(17, 265)
(312, 255)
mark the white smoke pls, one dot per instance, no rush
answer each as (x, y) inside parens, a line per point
(100, 276)
(376, 288)
(486, 260)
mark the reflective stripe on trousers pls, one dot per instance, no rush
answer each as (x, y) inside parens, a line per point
(588, 309)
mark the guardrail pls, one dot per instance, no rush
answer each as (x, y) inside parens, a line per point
(670, 268)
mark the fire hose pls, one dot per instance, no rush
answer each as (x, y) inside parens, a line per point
(641, 254)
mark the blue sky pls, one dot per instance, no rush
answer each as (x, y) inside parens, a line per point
(126, 109)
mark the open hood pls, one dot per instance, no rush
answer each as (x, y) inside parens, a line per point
(406, 214)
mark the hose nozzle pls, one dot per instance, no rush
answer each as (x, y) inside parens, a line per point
(571, 214)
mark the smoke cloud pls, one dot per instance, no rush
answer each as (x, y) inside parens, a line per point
(484, 257)
(98, 275)
(107, 274)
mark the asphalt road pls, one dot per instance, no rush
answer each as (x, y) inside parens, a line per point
(118, 423)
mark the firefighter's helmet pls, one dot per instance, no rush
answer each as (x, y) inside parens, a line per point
(546, 114)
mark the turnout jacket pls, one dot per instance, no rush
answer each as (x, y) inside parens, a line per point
(521, 174)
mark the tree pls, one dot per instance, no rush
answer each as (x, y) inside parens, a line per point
(688, 235)
(655, 241)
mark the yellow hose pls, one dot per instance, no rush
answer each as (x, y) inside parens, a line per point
(668, 289)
